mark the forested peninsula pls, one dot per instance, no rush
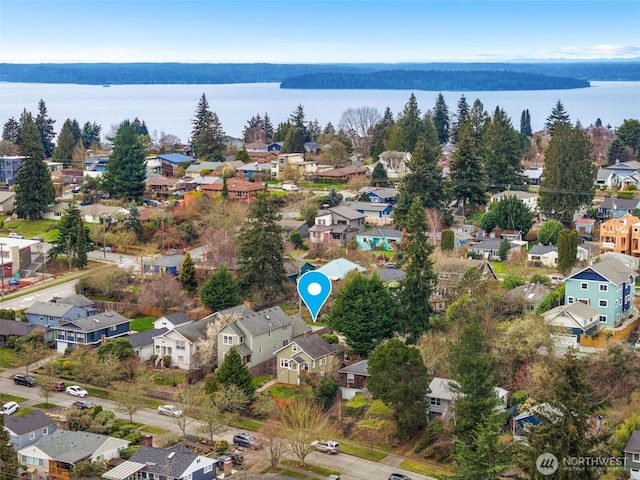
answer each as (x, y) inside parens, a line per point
(489, 76)
(434, 81)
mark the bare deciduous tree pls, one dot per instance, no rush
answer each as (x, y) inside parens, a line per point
(210, 416)
(162, 292)
(207, 347)
(231, 399)
(301, 417)
(188, 399)
(220, 247)
(358, 123)
(128, 398)
(434, 221)
(275, 445)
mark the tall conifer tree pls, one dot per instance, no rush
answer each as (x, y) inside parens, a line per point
(45, 127)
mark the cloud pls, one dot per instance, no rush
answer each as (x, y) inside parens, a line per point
(600, 51)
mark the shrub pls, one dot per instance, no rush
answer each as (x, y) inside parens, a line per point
(166, 361)
(105, 415)
(128, 452)
(330, 338)
(431, 433)
(511, 281)
(221, 446)
(133, 437)
(166, 439)
(356, 406)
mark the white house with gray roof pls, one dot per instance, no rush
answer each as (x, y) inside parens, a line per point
(336, 226)
(441, 397)
(63, 449)
(545, 255)
(530, 199)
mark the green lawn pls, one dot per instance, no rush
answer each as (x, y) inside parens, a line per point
(45, 406)
(424, 469)
(142, 324)
(170, 377)
(362, 452)
(153, 430)
(5, 397)
(46, 229)
(7, 357)
(283, 391)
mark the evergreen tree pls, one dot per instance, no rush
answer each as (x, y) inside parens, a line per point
(233, 371)
(132, 222)
(313, 130)
(34, 187)
(329, 129)
(629, 134)
(297, 119)
(267, 126)
(441, 119)
(187, 276)
(567, 250)
(424, 179)
(207, 135)
(511, 213)
(220, 291)
(364, 312)
(416, 287)
(447, 243)
(294, 141)
(549, 231)
(261, 249)
(11, 131)
(502, 153)
(75, 130)
(558, 116)
(467, 171)
(565, 411)
(478, 120)
(126, 170)
(9, 465)
(409, 125)
(243, 155)
(569, 174)
(91, 134)
(379, 176)
(380, 134)
(525, 123)
(66, 143)
(72, 238)
(399, 377)
(618, 152)
(225, 188)
(462, 113)
(503, 251)
(45, 127)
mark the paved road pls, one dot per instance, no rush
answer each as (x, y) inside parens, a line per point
(25, 301)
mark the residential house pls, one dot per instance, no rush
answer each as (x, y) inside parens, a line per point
(294, 270)
(171, 161)
(395, 163)
(255, 147)
(237, 187)
(530, 199)
(450, 271)
(374, 213)
(54, 455)
(55, 212)
(616, 234)
(630, 261)
(95, 167)
(624, 169)
(585, 226)
(169, 264)
(527, 297)
(161, 187)
(142, 342)
(90, 331)
(312, 147)
(99, 213)
(310, 355)
(174, 463)
(616, 208)
(572, 321)
(532, 417)
(608, 286)
(486, 248)
(533, 175)
(67, 176)
(305, 168)
(631, 181)
(391, 277)
(258, 335)
(185, 185)
(201, 168)
(441, 398)
(171, 320)
(12, 328)
(27, 429)
(9, 166)
(291, 225)
(606, 179)
(336, 226)
(632, 455)
(543, 255)
(51, 314)
(265, 158)
(342, 175)
(255, 170)
(382, 195)
(7, 199)
(379, 239)
(352, 379)
(339, 268)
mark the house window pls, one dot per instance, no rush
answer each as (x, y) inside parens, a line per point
(284, 329)
(584, 286)
(313, 364)
(227, 339)
(305, 366)
(351, 378)
(285, 342)
(294, 348)
(208, 468)
(32, 435)
(435, 401)
(188, 476)
(602, 318)
(602, 303)
(241, 339)
(45, 431)
(604, 287)
(285, 363)
(113, 328)
(181, 345)
(180, 359)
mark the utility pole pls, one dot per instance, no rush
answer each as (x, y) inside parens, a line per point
(2, 266)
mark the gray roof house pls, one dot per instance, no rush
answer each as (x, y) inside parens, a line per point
(50, 314)
(142, 342)
(10, 328)
(64, 448)
(546, 255)
(310, 355)
(441, 398)
(29, 428)
(353, 379)
(527, 297)
(258, 335)
(336, 226)
(90, 331)
(160, 265)
(632, 455)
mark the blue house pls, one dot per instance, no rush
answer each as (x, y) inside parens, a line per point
(274, 147)
(95, 164)
(51, 314)
(255, 170)
(27, 429)
(157, 266)
(171, 161)
(9, 167)
(616, 207)
(90, 331)
(379, 239)
(383, 195)
(374, 212)
(608, 286)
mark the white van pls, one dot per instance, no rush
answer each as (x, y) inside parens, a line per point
(15, 235)
(290, 187)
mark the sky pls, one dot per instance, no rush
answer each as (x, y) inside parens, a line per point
(330, 31)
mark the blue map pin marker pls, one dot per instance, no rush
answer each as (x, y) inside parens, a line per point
(314, 288)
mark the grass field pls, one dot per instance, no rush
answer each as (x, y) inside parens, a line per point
(142, 324)
(46, 229)
(5, 397)
(7, 358)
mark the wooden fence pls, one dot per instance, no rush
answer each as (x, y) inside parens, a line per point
(608, 335)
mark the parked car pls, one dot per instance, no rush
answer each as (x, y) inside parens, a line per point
(333, 477)
(26, 380)
(9, 408)
(16, 235)
(290, 187)
(77, 391)
(38, 239)
(246, 440)
(83, 404)
(236, 459)
(398, 476)
(326, 446)
(59, 387)
(170, 410)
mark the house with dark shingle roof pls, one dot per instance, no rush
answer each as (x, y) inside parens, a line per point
(308, 355)
(632, 455)
(29, 428)
(375, 213)
(546, 255)
(352, 379)
(343, 174)
(161, 265)
(379, 239)
(9, 328)
(142, 342)
(177, 462)
(63, 449)
(527, 297)
(337, 226)
(90, 331)
(50, 314)
(571, 322)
